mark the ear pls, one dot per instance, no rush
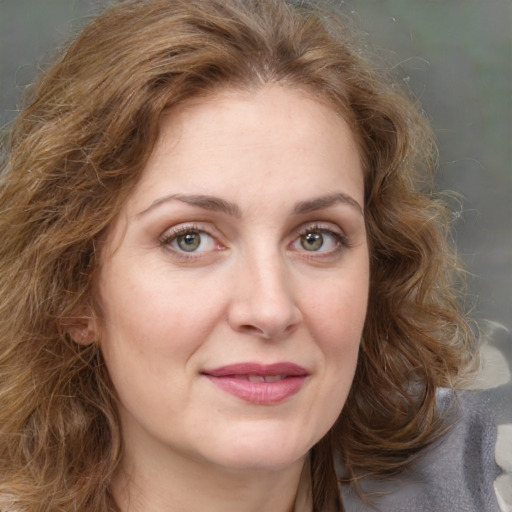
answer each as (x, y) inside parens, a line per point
(83, 331)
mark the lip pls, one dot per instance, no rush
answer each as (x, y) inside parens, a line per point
(234, 379)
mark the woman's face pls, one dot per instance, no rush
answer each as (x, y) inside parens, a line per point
(234, 283)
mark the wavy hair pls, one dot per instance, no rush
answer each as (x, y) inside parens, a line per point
(78, 149)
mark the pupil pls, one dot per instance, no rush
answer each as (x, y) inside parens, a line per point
(312, 241)
(189, 242)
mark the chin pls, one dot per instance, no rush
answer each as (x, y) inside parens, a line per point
(271, 460)
(256, 451)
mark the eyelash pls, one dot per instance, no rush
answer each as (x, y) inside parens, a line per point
(341, 240)
(169, 236)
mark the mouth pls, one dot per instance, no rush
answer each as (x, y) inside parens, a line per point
(261, 378)
(259, 384)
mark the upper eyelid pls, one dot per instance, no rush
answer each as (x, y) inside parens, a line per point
(185, 227)
(320, 225)
(339, 235)
(213, 231)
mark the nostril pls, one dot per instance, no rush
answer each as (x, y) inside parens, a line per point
(251, 329)
(266, 333)
(290, 328)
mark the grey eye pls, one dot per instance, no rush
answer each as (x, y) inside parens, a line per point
(189, 242)
(312, 241)
(318, 240)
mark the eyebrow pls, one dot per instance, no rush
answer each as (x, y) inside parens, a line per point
(217, 204)
(206, 202)
(320, 203)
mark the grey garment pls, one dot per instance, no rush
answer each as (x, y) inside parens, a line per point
(456, 474)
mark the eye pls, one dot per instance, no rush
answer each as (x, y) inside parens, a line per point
(189, 240)
(319, 240)
(312, 241)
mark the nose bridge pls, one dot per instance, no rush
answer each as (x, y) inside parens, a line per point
(267, 273)
(264, 302)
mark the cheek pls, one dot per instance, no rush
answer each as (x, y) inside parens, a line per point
(338, 311)
(150, 331)
(336, 319)
(152, 316)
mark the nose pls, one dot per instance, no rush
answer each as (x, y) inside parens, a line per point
(264, 303)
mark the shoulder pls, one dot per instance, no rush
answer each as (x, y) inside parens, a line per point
(470, 468)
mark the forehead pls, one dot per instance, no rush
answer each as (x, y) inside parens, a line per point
(275, 141)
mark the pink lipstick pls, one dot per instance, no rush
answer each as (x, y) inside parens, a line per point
(259, 383)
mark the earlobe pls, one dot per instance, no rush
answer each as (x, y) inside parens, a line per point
(84, 331)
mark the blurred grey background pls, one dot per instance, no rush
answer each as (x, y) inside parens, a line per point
(456, 55)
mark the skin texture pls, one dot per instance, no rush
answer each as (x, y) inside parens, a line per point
(255, 289)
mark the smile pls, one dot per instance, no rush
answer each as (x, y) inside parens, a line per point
(259, 384)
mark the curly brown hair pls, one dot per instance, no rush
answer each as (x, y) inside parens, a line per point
(78, 149)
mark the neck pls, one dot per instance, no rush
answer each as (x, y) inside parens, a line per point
(157, 485)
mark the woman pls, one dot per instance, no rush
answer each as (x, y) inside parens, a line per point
(225, 283)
